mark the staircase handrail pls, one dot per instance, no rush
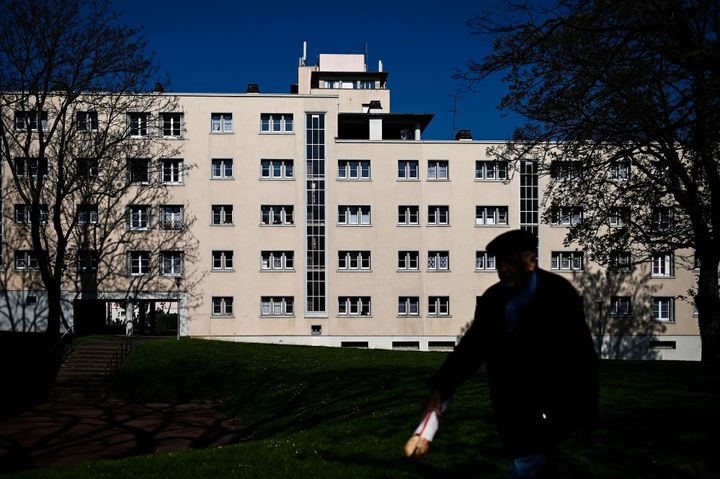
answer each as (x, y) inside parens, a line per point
(119, 356)
(42, 363)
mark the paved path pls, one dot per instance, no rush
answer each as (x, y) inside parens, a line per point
(56, 433)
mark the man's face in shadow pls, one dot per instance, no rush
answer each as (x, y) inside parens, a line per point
(514, 269)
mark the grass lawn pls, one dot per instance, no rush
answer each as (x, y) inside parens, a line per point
(335, 413)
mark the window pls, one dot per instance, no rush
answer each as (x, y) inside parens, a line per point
(276, 123)
(87, 214)
(484, 261)
(222, 260)
(438, 215)
(277, 306)
(30, 167)
(663, 265)
(277, 260)
(139, 263)
(139, 124)
(171, 124)
(663, 309)
(439, 306)
(621, 261)
(88, 168)
(277, 169)
(438, 261)
(222, 305)
(354, 306)
(277, 215)
(22, 214)
(222, 168)
(408, 306)
(438, 170)
(221, 123)
(662, 219)
(566, 261)
(139, 170)
(222, 214)
(565, 170)
(618, 216)
(171, 217)
(29, 120)
(86, 120)
(139, 217)
(408, 215)
(354, 260)
(491, 215)
(491, 170)
(26, 260)
(620, 306)
(408, 261)
(172, 263)
(350, 215)
(567, 215)
(353, 169)
(408, 170)
(620, 170)
(172, 170)
(87, 260)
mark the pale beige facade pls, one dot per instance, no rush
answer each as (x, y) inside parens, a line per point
(324, 218)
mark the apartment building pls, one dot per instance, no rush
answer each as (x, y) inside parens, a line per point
(322, 217)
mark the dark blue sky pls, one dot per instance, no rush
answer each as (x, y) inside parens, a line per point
(221, 46)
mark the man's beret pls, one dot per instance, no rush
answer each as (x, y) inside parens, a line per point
(512, 242)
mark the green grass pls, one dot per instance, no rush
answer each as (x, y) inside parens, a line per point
(331, 413)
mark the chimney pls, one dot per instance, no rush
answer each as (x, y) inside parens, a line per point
(463, 135)
(253, 88)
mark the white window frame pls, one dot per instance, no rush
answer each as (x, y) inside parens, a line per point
(86, 121)
(562, 170)
(172, 171)
(620, 306)
(277, 169)
(139, 263)
(21, 214)
(485, 261)
(663, 265)
(491, 216)
(620, 170)
(222, 306)
(221, 215)
(663, 309)
(277, 215)
(87, 214)
(354, 170)
(408, 170)
(621, 261)
(139, 217)
(30, 167)
(277, 260)
(171, 124)
(138, 124)
(567, 215)
(618, 216)
(171, 263)
(355, 306)
(134, 166)
(354, 215)
(222, 260)
(438, 306)
(567, 261)
(26, 260)
(438, 170)
(662, 218)
(172, 217)
(354, 260)
(408, 260)
(277, 123)
(438, 261)
(438, 215)
(488, 170)
(408, 215)
(30, 119)
(221, 168)
(408, 306)
(277, 306)
(221, 122)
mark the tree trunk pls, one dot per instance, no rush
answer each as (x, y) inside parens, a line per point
(708, 304)
(54, 318)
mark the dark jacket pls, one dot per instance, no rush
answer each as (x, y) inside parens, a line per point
(542, 376)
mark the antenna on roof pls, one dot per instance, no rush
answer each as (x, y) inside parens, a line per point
(304, 57)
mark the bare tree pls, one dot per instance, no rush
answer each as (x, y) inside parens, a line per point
(81, 136)
(625, 98)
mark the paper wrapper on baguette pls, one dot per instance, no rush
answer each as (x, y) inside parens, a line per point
(419, 443)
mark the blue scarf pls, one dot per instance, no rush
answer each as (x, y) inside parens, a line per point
(518, 303)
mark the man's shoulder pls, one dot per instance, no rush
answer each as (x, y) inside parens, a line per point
(550, 280)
